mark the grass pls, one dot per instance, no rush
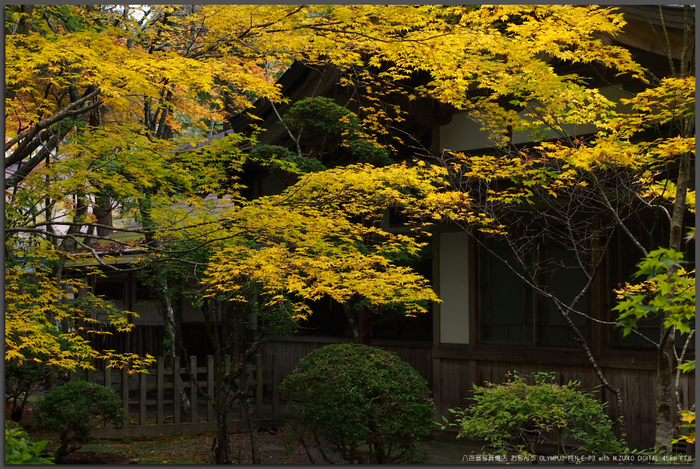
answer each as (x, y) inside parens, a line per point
(175, 448)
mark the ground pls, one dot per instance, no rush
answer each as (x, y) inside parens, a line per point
(276, 448)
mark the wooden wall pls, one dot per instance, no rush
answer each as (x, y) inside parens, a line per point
(451, 371)
(418, 356)
(291, 350)
(141, 340)
(454, 377)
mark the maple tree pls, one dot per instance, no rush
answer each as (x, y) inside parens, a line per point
(92, 92)
(100, 103)
(253, 266)
(576, 190)
(107, 108)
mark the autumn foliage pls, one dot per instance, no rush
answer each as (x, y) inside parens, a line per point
(108, 109)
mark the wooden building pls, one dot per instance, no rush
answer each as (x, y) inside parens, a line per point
(490, 321)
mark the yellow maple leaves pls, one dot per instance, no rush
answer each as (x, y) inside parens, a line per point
(185, 67)
(303, 243)
(36, 302)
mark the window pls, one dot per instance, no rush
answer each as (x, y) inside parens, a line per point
(114, 290)
(565, 281)
(328, 319)
(511, 311)
(399, 327)
(623, 258)
(506, 308)
(143, 292)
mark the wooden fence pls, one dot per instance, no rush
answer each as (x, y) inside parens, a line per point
(152, 401)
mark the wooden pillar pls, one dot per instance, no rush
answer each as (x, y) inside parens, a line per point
(258, 386)
(125, 395)
(275, 388)
(366, 326)
(210, 387)
(108, 375)
(142, 398)
(159, 391)
(193, 390)
(176, 390)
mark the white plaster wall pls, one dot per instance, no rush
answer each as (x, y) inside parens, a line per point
(463, 134)
(613, 93)
(454, 288)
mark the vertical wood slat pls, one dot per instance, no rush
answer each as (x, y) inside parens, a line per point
(210, 387)
(258, 386)
(275, 388)
(125, 395)
(142, 398)
(90, 375)
(243, 396)
(108, 375)
(227, 369)
(193, 389)
(176, 390)
(255, 376)
(159, 391)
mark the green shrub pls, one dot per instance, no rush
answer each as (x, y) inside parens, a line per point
(73, 409)
(11, 424)
(20, 379)
(353, 394)
(516, 416)
(19, 449)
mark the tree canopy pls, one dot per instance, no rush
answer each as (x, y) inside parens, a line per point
(108, 109)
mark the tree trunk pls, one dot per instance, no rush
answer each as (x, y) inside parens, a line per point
(169, 320)
(354, 327)
(253, 427)
(665, 425)
(664, 391)
(169, 346)
(221, 445)
(103, 212)
(69, 244)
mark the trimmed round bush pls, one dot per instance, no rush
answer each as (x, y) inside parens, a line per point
(353, 395)
(72, 409)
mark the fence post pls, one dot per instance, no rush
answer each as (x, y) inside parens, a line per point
(142, 398)
(244, 393)
(90, 374)
(258, 386)
(125, 394)
(210, 387)
(176, 390)
(275, 388)
(227, 368)
(108, 375)
(193, 389)
(159, 391)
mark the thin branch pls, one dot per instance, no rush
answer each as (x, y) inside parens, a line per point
(681, 359)
(616, 215)
(68, 111)
(667, 52)
(296, 141)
